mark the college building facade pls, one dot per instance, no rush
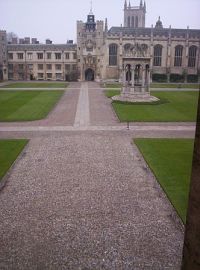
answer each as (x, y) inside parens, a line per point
(102, 54)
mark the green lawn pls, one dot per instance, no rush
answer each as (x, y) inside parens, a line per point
(9, 151)
(159, 85)
(175, 85)
(36, 85)
(175, 107)
(171, 161)
(27, 105)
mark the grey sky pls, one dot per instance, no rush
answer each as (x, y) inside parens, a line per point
(56, 19)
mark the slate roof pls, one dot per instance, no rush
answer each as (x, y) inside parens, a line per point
(41, 47)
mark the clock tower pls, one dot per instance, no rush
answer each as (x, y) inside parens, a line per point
(90, 44)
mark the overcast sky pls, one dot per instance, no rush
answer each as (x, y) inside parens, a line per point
(56, 19)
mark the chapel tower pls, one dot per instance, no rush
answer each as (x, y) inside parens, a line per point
(134, 16)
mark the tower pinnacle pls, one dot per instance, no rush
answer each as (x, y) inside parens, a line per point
(91, 12)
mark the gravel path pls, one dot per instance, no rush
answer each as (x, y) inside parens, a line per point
(82, 197)
(86, 202)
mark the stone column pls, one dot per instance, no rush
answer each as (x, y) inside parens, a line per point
(133, 80)
(148, 79)
(124, 79)
(143, 79)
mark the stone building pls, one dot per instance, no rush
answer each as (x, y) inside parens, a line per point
(3, 56)
(41, 62)
(117, 54)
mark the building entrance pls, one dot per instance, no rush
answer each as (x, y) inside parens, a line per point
(89, 75)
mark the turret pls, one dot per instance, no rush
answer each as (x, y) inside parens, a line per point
(125, 4)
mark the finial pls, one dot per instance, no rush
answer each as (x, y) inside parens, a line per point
(91, 12)
(125, 4)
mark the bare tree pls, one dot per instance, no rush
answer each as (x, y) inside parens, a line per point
(10, 36)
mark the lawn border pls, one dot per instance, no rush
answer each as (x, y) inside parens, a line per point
(5, 178)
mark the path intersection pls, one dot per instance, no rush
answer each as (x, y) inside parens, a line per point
(80, 196)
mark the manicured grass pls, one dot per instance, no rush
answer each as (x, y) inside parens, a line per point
(175, 85)
(181, 107)
(160, 85)
(27, 105)
(36, 85)
(9, 151)
(171, 161)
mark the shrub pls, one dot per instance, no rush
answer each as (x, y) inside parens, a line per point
(192, 78)
(159, 77)
(177, 78)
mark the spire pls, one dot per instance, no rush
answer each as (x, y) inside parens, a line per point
(106, 25)
(159, 23)
(141, 3)
(145, 8)
(91, 12)
(125, 4)
(129, 5)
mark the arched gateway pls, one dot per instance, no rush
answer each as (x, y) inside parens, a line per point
(89, 74)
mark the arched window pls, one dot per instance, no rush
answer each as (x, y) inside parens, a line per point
(192, 56)
(157, 61)
(136, 21)
(133, 21)
(127, 47)
(178, 56)
(113, 55)
(129, 21)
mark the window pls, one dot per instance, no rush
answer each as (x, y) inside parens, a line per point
(30, 66)
(30, 56)
(20, 55)
(10, 67)
(49, 66)
(40, 75)
(113, 55)
(192, 56)
(21, 66)
(49, 75)
(58, 67)
(40, 66)
(67, 56)
(67, 67)
(58, 76)
(133, 22)
(10, 56)
(136, 21)
(129, 22)
(48, 55)
(58, 56)
(157, 61)
(40, 55)
(74, 56)
(178, 56)
(74, 67)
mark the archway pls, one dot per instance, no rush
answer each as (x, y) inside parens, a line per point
(89, 75)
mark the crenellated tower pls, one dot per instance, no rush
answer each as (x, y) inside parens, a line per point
(134, 16)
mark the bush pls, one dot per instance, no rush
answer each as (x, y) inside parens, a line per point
(192, 78)
(159, 77)
(177, 78)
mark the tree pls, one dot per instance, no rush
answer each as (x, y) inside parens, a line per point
(191, 250)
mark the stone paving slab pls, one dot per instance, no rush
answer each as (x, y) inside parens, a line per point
(101, 111)
(86, 201)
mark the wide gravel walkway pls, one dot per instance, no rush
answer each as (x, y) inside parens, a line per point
(84, 198)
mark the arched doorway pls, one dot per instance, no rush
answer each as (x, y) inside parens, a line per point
(89, 75)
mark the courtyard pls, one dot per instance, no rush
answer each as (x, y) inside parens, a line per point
(81, 194)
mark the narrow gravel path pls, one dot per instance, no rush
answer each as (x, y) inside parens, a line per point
(82, 197)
